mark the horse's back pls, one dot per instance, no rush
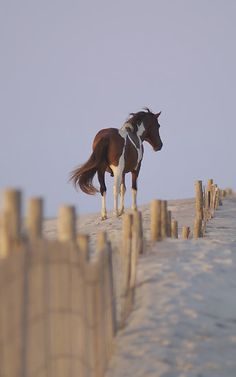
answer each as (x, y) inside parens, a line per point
(110, 135)
(113, 143)
(106, 133)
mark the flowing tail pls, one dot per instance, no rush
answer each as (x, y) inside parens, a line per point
(84, 174)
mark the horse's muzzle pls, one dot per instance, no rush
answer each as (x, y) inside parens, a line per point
(158, 147)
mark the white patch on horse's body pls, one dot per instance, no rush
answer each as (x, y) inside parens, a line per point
(141, 130)
(127, 126)
(139, 149)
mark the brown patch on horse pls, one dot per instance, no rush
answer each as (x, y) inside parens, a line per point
(84, 174)
(107, 148)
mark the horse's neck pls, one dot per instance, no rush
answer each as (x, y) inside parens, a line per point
(128, 130)
(135, 139)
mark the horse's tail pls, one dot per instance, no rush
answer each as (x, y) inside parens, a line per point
(84, 174)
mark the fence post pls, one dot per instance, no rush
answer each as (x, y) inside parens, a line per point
(101, 291)
(126, 264)
(197, 229)
(108, 317)
(185, 232)
(34, 220)
(217, 197)
(198, 200)
(174, 229)
(5, 238)
(208, 190)
(12, 206)
(66, 223)
(138, 230)
(164, 219)
(155, 220)
(168, 223)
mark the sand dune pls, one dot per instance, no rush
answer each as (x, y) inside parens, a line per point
(184, 321)
(184, 317)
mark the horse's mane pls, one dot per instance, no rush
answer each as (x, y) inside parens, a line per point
(137, 118)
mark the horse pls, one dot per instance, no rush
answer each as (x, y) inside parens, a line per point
(118, 151)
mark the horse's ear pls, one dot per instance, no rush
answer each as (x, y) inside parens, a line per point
(146, 109)
(157, 115)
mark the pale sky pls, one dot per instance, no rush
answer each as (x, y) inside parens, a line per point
(69, 68)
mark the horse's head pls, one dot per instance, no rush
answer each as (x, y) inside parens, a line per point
(147, 126)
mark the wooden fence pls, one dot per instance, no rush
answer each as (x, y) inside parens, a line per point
(207, 201)
(58, 307)
(60, 303)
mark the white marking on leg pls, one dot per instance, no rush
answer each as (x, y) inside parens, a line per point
(104, 209)
(122, 196)
(134, 200)
(118, 172)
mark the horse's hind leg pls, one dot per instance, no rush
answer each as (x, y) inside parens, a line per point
(103, 189)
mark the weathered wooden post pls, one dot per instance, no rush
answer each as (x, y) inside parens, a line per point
(10, 220)
(174, 229)
(197, 229)
(168, 223)
(216, 199)
(108, 320)
(199, 210)
(185, 232)
(82, 241)
(126, 265)
(155, 220)
(136, 247)
(12, 207)
(5, 238)
(66, 223)
(223, 193)
(127, 226)
(34, 220)
(92, 276)
(198, 200)
(138, 231)
(101, 295)
(164, 219)
(208, 193)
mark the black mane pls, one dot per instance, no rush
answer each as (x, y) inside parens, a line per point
(137, 118)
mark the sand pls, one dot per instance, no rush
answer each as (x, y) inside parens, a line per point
(184, 318)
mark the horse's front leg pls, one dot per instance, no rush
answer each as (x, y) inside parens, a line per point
(117, 188)
(134, 189)
(116, 191)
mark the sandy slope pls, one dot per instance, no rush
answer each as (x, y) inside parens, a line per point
(182, 210)
(184, 322)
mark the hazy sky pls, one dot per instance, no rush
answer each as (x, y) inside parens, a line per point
(69, 68)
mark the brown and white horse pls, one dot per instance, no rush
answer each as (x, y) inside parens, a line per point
(119, 151)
